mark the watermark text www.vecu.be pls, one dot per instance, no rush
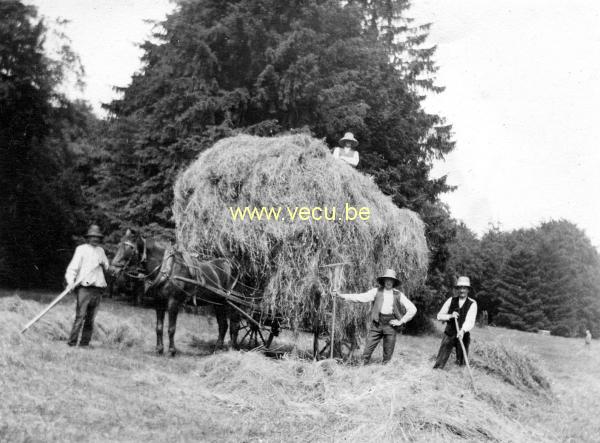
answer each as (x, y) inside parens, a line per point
(302, 213)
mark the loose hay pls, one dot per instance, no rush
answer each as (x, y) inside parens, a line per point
(56, 324)
(284, 259)
(514, 365)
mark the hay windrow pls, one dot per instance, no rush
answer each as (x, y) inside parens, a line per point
(284, 259)
(512, 364)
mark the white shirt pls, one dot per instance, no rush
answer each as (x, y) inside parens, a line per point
(86, 266)
(348, 155)
(387, 307)
(469, 323)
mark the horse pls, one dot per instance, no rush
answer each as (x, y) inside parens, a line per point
(137, 261)
(174, 292)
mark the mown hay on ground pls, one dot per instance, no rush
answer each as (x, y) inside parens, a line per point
(56, 324)
(284, 259)
(513, 364)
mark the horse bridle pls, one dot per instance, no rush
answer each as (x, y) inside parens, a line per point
(135, 253)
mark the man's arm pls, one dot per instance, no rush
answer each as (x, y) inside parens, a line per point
(104, 260)
(354, 160)
(470, 319)
(73, 268)
(443, 315)
(411, 309)
(364, 297)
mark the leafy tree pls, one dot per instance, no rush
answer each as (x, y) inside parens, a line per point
(494, 252)
(546, 277)
(36, 212)
(571, 277)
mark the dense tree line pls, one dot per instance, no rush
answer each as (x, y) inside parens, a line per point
(546, 277)
(41, 201)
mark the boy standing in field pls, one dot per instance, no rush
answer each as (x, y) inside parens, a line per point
(86, 271)
(464, 309)
(386, 313)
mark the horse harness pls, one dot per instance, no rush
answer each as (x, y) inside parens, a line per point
(195, 271)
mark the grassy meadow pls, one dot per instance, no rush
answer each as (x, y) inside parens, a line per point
(529, 387)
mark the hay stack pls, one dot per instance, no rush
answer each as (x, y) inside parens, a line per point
(284, 259)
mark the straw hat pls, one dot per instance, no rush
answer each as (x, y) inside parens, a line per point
(463, 281)
(349, 137)
(391, 274)
(94, 231)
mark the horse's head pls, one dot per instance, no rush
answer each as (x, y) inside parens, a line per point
(129, 252)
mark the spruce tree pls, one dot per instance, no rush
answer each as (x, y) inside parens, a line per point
(518, 290)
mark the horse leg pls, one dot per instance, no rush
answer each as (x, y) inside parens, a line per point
(221, 314)
(139, 292)
(234, 328)
(173, 311)
(160, 319)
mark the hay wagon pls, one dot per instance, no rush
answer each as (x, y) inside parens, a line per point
(259, 328)
(254, 324)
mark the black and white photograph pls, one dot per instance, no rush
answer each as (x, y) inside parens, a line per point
(299, 221)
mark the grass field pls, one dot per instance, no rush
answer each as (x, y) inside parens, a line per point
(529, 387)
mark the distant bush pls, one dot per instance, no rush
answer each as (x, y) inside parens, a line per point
(561, 331)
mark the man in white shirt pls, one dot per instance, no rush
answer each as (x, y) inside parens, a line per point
(85, 271)
(464, 309)
(386, 314)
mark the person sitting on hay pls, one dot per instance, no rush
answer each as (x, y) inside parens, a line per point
(347, 152)
(464, 309)
(386, 313)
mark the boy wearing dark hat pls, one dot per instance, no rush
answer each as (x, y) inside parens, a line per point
(386, 313)
(85, 272)
(464, 309)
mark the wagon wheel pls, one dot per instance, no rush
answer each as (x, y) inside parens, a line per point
(252, 333)
(343, 349)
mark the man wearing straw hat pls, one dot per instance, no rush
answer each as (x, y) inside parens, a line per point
(347, 152)
(86, 267)
(464, 309)
(386, 313)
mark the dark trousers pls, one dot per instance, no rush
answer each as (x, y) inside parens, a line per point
(381, 330)
(449, 342)
(88, 300)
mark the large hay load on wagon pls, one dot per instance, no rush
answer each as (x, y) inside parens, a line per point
(284, 258)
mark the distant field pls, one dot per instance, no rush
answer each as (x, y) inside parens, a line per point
(122, 391)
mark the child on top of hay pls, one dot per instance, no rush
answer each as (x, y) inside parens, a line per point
(347, 152)
(386, 313)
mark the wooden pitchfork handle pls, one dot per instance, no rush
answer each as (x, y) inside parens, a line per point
(462, 345)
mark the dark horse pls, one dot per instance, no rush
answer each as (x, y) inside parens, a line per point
(137, 262)
(174, 292)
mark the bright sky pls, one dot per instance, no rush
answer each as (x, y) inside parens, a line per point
(522, 93)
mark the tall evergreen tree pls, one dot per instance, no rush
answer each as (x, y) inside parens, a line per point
(267, 66)
(518, 290)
